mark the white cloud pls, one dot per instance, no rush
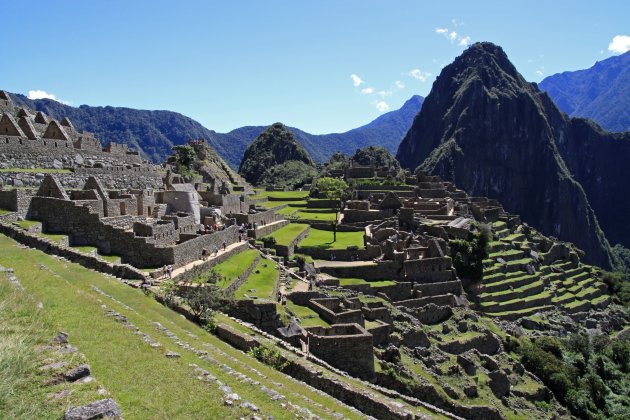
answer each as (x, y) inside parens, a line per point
(382, 106)
(619, 44)
(356, 80)
(399, 84)
(423, 76)
(452, 36)
(463, 42)
(540, 73)
(384, 93)
(457, 23)
(367, 90)
(42, 94)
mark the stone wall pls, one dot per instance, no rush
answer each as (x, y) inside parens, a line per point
(345, 346)
(262, 315)
(89, 261)
(433, 289)
(191, 250)
(112, 180)
(17, 200)
(329, 310)
(268, 216)
(390, 270)
(359, 216)
(235, 338)
(370, 252)
(262, 231)
(428, 270)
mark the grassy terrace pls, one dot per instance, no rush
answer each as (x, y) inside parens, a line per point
(290, 204)
(319, 215)
(377, 283)
(37, 170)
(121, 361)
(307, 316)
(288, 233)
(324, 239)
(281, 194)
(231, 268)
(262, 281)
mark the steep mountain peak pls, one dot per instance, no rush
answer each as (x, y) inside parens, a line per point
(484, 127)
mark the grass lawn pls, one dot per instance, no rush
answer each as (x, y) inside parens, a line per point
(286, 234)
(294, 204)
(85, 249)
(27, 224)
(377, 283)
(38, 170)
(141, 379)
(23, 328)
(263, 281)
(281, 194)
(234, 266)
(315, 215)
(115, 259)
(307, 316)
(324, 239)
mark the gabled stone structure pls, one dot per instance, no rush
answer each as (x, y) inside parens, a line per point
(55, 131)
(9, 127)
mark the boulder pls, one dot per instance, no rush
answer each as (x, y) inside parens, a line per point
(106, 408)
(77, 373)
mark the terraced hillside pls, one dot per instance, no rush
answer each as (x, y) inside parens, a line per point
(524, 274)
(132, 344)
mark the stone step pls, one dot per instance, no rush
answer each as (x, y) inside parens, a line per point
(510, 283)
(522, 292)
(513, 315)
(540, 299)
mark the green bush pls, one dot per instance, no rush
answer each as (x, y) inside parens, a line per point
(270, 356)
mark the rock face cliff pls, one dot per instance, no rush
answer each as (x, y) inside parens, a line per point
(274, 146)
(494, 134)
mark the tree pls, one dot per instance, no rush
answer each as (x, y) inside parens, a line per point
(184, 155)
(204, 301)
(333, 189)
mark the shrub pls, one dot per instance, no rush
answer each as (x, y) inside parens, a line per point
(268, 241)
(269, 356)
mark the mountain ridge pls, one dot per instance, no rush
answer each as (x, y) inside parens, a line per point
(600, 92)
(155, 132)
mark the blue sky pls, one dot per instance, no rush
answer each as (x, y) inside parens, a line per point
(233, 63)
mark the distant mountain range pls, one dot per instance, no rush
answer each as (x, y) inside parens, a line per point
(601, 93)
(486, 128)
(154, 133)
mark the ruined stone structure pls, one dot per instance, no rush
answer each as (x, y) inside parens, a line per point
(345, 346)
(30, 140)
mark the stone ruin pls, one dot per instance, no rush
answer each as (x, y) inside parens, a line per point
(31, 140)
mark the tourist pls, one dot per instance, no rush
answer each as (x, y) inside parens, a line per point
(204, 254)
(164, 271)
(169, 268)
(254, 225)
(224, 245)
(215, 250)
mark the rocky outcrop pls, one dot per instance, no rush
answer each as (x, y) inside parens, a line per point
(494, 134)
